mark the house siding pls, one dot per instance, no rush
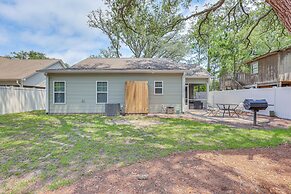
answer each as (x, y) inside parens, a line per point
(268, 69)
(38, 79)
(197, 80)
(285, 66)
(81, 91)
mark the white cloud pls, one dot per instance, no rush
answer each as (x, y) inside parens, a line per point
(54, 26)
(45, 14)
(69, 55)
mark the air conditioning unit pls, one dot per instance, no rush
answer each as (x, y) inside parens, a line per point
(170, 110)
(112, 109)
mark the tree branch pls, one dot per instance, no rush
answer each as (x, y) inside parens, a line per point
(255, 25)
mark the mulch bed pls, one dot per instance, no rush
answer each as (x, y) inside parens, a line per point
(260, 170)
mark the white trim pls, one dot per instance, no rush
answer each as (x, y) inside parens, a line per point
(207, 93)
(183, 93)
(65, 92)
(197, 83)
(254, 64)
(47, 94)
(107, 92)
(198, 77)
(158, 87)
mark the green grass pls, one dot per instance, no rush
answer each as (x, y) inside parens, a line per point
(39, 151)
(59, 183)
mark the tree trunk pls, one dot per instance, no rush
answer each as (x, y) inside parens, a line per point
(283, 10)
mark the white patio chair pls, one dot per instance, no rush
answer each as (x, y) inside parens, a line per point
(212, 111)
(240, 110)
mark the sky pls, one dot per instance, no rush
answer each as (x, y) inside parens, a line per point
(57, 28)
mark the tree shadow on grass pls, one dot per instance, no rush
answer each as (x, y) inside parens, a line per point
(64, 145)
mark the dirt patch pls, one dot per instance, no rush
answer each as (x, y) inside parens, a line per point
(261, 170)
(137, 123)
(23, 183)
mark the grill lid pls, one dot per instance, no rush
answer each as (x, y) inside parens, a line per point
(251, 104)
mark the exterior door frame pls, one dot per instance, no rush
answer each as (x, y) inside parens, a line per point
(186, 100)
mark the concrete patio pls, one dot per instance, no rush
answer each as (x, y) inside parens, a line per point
(244, 121)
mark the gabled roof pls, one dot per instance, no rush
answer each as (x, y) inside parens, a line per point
(196, 71)
(16, 69)
(128, 64)
(133, 65)
(267, 54)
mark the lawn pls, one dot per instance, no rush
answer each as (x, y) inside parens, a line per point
(45, 152)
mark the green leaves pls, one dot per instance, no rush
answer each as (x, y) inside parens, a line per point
(28, 55)
(147, 28)
(237, 32)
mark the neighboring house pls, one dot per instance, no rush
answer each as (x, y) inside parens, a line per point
(139, 85)
(269, 70)
(23, 72)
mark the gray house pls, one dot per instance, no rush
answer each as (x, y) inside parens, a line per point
(23, 72)
(139, 85)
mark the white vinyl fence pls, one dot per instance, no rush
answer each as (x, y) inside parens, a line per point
(14, 99)
(280, 98)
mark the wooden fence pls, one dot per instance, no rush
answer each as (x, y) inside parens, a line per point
(15, 99)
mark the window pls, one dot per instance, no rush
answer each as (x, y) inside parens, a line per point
(158, 85)
(59, 92)
(102, 92)
(255, 67)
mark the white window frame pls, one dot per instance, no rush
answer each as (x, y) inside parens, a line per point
(158, 87)
(102, 92)
(64, 92)
(255, 63)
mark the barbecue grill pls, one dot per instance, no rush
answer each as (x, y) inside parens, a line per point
(255, 106)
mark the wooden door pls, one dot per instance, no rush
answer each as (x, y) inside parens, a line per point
(136, 97)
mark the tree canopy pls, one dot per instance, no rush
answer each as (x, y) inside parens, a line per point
(144, 27)
(234, 34)
(223, 35)
(28, 55)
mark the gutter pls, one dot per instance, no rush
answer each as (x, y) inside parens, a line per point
(201, 77)
(70, 71)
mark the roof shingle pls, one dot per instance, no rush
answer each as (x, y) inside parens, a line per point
(128, 64)
(15, 69)
(139, 64)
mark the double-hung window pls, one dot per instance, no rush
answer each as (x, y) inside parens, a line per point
(101, 92)
(255, 67)
(59, 92)
(158, 88)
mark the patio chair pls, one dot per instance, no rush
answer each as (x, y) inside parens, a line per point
(240, 110)
(212, 111)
